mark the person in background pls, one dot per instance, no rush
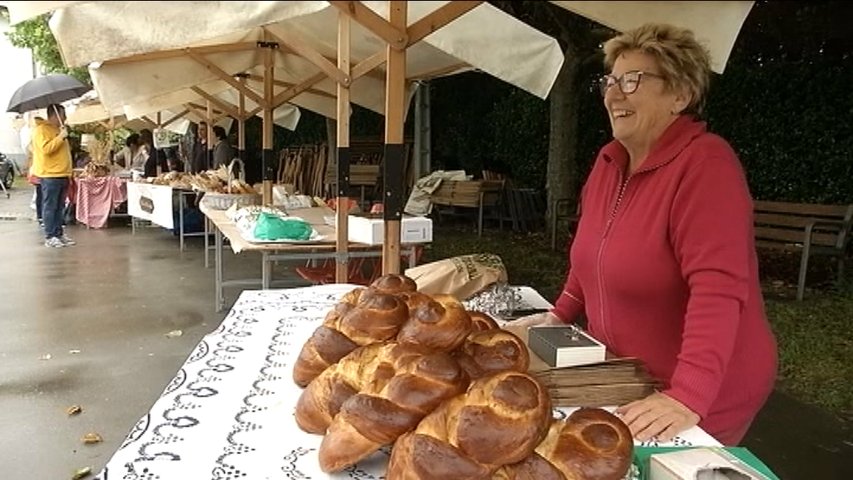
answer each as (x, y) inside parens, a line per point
(663, 263)
(223, 152)
(199, 161)
(32, 179)
(52, 165)
(127, 155)
(174, 162)
(155, 160)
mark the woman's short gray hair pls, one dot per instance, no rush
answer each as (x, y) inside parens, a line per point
(683, 60)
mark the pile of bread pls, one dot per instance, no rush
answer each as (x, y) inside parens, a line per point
(210, 181)
(448, 389)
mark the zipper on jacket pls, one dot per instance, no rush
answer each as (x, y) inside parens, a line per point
(623, 185)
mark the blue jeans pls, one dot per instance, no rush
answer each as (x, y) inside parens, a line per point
(53, 191)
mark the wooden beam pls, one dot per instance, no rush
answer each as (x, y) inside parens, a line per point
(148, 119)
(367, 65)
(282, 83)
(175, 118)
(395, 90)
(438, 72)
(222, 104)
(394, 35)
(343, 107)
(180, 52)
(303, 49)
(438, 18)
(204, 108)
(269, 168)
(241, 121)
(213, 68)
(295, 90)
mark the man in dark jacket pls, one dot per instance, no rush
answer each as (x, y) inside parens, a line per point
(199, 161)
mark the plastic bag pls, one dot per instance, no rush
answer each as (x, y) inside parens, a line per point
(273, 227)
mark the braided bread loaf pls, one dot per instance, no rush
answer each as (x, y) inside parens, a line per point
(481, 321)
(320, 402)
(498, 421)
(363, 317)
(437, 322)
(592, 444)
(381, 413)
(394, 284)
(491, 351)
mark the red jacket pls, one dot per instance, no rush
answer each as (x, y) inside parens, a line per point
(665, 268)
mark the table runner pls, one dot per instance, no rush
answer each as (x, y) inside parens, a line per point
(96, 197)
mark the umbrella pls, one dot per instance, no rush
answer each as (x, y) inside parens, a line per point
(43, 91)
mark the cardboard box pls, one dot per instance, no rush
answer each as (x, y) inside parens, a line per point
(565, 346)
(370, 229)
(699, 464)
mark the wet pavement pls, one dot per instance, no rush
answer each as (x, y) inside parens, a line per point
(89, 325)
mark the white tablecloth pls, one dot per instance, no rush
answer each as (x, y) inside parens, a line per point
(228, 413)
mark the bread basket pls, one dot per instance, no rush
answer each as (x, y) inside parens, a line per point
(224, 201)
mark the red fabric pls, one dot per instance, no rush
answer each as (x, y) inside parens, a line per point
(670, 274)
(96, 197)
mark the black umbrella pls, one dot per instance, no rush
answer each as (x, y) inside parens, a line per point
(43, 91)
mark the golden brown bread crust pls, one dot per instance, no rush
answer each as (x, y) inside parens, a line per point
(394, 284)
(592, 444)
(439, 322)
(322, 399)
(481, 321)
(492, 351)
(376, 317)
(498, 421)
(373, 418)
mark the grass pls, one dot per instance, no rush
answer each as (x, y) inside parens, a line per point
(815, 336)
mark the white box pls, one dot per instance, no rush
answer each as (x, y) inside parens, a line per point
(699, 464)
(370, 229)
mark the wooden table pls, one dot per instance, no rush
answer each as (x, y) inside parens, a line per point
(281, 251)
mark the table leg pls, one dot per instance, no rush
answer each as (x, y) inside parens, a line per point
(206, 243)
(266, 271)
(413, 262)
(181, 218)
(218, 270)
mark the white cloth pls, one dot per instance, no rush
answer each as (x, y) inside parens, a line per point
(228, 413)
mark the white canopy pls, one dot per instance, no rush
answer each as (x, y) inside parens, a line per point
(715, 24)
(227, 36)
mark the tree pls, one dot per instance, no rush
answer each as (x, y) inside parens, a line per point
(35, 34)
(580, 40)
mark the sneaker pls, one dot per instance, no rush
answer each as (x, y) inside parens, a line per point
(67, 241)
(53, 242)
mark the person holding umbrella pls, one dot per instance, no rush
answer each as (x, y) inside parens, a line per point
(52, 164)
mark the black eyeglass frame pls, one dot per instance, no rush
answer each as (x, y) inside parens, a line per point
(627, 85)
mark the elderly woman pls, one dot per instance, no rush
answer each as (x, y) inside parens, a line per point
(664, 264)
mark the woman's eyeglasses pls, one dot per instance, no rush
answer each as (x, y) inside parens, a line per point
(628, 82)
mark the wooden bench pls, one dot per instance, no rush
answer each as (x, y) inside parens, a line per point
(469, 194)
(811, 228)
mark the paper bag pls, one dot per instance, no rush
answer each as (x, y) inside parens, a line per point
(461, 276)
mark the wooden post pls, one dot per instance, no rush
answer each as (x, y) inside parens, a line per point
(209, 122)
(241, 123)
(269, 164)
(343, 152)
(154, 151)
(395, 82)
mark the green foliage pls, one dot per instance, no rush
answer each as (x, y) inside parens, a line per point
(815, 349)
(35, 34)
(786, 120)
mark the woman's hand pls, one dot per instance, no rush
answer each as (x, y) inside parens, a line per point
(535, 320)
(657, 415)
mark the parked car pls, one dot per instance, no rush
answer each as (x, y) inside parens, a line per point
(7, 171)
